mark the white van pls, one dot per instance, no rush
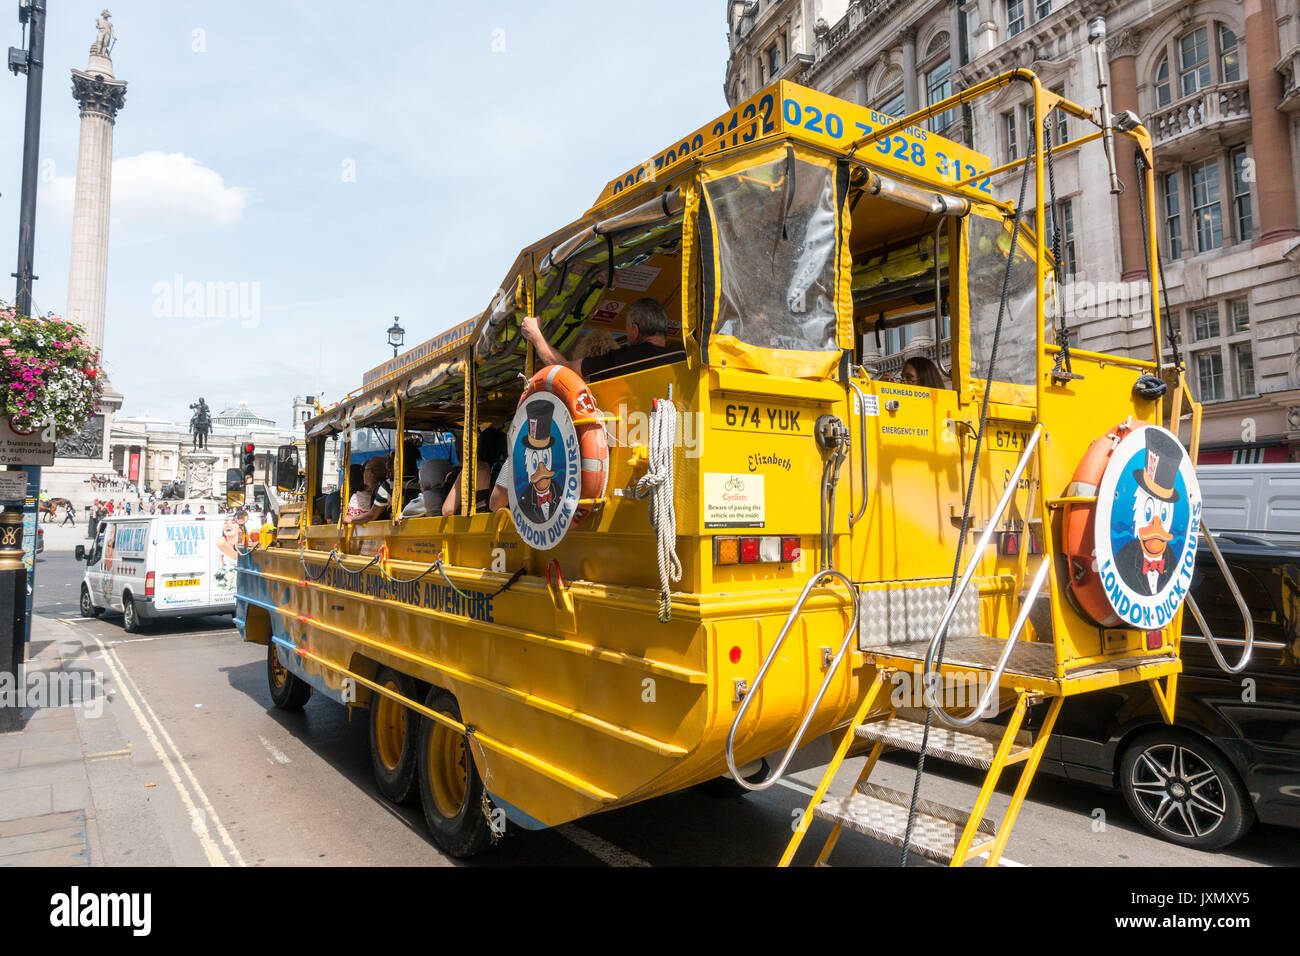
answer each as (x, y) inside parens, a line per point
(1256, 500)
(153, 566)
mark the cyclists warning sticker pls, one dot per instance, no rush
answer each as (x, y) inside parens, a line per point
(733, 501)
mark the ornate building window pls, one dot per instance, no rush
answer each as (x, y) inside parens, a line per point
(1206, 210)
(1199, 65)
(1244, 360)
(1229, 59)
(1219, 180)
(1222, 337)
(1010, 137)
(1209, 375)
(1173, 218)
(938, 86)
(1015, 17)
(1163, 96)
(1194, 61)
(895, 106)
(1242, 220)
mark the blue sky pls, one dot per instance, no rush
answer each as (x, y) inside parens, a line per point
(342, 167)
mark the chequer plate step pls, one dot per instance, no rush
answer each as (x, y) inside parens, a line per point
(973, 746)
(1029, 658)
(881, 813)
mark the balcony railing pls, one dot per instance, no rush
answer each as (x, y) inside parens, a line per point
(858, 13)
(1203, 112)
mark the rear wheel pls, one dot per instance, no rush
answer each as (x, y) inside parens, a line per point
(393, 732)
(88, 608)
(1184, 790)
(449, 783)
(130, 616)
(288, 691)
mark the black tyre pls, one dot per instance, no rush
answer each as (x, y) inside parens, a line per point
(394, 729)
(288, 691)
(130, 616)
(88, 608)
(1182, 789)
(450, 787)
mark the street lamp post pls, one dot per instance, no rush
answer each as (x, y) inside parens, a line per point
(396, 336)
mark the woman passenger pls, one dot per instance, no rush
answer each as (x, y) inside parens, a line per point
(492, 449)
(361, 506)
(919, 370)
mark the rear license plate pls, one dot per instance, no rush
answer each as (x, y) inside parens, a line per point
(183, 583)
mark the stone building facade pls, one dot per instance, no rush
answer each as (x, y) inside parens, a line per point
(1217, 84)
(147, 451)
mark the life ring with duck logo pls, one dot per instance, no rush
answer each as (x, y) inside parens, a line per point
(559, 457)
(1132, 555)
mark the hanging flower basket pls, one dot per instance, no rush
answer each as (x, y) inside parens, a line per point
(49, 374)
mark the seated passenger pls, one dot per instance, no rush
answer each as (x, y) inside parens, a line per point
(919, 370)
(492, 449)
(429, 499)
(647, 329)
(364, 505)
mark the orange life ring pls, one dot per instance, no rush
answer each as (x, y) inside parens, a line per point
(1079, 528)
(570, 388)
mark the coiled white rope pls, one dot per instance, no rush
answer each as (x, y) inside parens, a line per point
(658, 484)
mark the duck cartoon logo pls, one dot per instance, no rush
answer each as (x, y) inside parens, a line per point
(545, 471)
(1148, 523)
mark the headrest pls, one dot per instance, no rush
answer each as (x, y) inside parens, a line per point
(433, 472)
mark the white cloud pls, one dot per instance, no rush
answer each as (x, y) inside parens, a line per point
(160, 193)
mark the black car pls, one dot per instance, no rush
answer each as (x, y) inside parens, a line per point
(1233, 754)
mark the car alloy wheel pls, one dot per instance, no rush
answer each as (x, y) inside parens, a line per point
(1180, 793)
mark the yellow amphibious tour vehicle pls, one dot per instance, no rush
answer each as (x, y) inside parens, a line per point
(737, 535)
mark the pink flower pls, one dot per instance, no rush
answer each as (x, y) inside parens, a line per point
(9, 353)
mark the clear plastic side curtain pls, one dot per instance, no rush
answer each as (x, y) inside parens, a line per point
(773, 228)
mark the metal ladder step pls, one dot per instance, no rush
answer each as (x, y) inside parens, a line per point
(973, 746)
(881, 813)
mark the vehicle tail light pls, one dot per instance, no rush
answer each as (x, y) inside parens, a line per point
(756, 549)
(726, 550)
(1155, 640)
(1010, 542)
(148, 584)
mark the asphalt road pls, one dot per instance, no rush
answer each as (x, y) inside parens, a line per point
(190, 764)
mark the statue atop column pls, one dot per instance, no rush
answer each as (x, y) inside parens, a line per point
(105, 36)
(200, 424)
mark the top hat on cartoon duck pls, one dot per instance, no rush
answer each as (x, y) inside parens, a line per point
(539, 434)
(1164, 455)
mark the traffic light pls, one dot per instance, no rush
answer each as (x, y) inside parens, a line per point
(247, 459)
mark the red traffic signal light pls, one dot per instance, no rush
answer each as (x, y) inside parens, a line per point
(248, 448)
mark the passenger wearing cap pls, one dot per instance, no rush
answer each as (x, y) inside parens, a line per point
(647, 330)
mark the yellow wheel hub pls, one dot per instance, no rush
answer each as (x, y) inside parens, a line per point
(278, 673)
(390, 728)
(448, 768)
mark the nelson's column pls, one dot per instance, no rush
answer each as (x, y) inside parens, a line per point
(100, 96)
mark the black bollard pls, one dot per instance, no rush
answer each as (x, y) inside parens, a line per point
(13, 613)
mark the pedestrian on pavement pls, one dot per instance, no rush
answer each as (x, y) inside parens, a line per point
(69, 515)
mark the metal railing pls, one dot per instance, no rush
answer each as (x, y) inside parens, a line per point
(1249, 622)
(990, 528)
(831, 668)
